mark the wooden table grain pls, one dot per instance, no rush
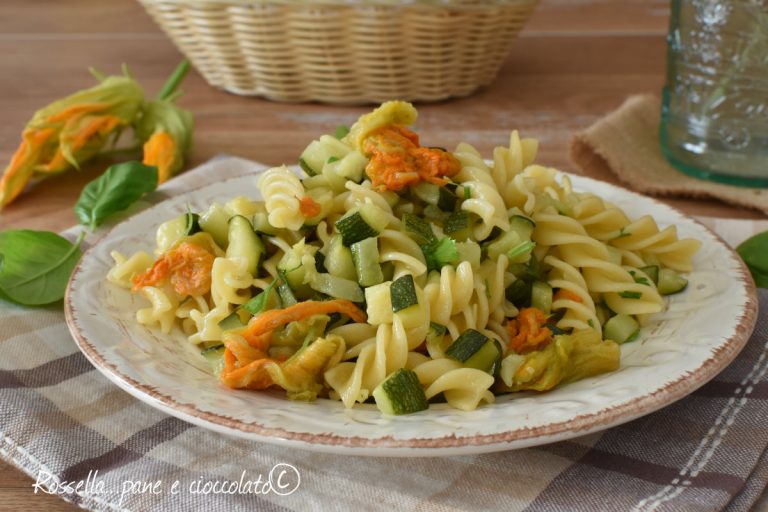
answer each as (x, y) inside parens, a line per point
(574, 62)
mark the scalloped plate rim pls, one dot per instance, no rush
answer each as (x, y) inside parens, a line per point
(426, 446)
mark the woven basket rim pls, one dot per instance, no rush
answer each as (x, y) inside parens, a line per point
(454, 4)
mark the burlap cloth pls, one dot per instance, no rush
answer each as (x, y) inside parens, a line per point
(626, 143)
(62, 421)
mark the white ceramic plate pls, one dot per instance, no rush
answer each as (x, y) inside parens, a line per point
(700, 333)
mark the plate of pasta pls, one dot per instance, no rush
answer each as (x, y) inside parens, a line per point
(387, 297)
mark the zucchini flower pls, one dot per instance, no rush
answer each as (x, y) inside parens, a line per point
(70, 131)
(166, 129)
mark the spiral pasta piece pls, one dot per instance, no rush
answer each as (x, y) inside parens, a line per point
(400, 249)
(388, 351)
(124, 268)
(578, 249)
(162, 310)
(282, 190)
(644, 237)
(580, 312)
(463, 388)
(449, 291)
(510, 161)
(601, 219)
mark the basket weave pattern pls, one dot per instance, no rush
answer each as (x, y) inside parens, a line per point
(346, 52)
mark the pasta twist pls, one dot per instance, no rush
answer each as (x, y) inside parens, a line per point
(578, 249)
(449, 291)
(530, 186)
(378, 357)
(125, 268)
(403, 252)
(282, 191)
(162, 310)
(510, 161)
(463, 388)
(643, 236)
(601, 219)
(580, 312)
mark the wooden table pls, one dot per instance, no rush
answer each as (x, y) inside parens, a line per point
(574, 62)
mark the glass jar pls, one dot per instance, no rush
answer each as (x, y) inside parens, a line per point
(714, 118)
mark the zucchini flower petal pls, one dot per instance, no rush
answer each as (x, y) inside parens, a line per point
(166, 130)
(70, 131)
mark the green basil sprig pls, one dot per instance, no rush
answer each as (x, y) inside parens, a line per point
(754, 252)
(114, 191)
(35, 265)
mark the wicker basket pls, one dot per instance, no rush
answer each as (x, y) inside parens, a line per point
(344, 51)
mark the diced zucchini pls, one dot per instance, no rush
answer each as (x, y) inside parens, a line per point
(529, 271)
(375, 216)
(437, 341)
(522, 225)
(306, 168)
(318, 152)
(379, 304)
(338, 260)
(446, 200)
(434, 214)
(466, 345)
(541, 296)
(261, 224)
(354, 228)
(427, 192)
(215, 356)
(671, 282)
(418, 229)
(337, 287)
(457, 225)
(350, 166)
(215, 222)
(440, 253)
(487, 359)
(521, 252)
(475, 350)
(231, 322)
(403, 293)
(400, 393)
(519, 293)
(365, 255)
(652, 271)
(293, 267)
(174, 230)
(245, 243)
(503, 244)
(621, 329)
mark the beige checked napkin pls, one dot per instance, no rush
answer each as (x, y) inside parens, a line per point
(61, 420)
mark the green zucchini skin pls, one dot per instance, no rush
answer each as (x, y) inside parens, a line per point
(403, 293)
(245, 243)
(400, 393)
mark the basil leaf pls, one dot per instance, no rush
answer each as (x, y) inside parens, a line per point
(115, 190)
(754, 252)
(36, 266)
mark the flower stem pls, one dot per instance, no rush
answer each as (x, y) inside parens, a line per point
(174, 80)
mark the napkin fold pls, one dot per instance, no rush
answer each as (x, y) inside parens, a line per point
(625, 143)
(62, 422)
